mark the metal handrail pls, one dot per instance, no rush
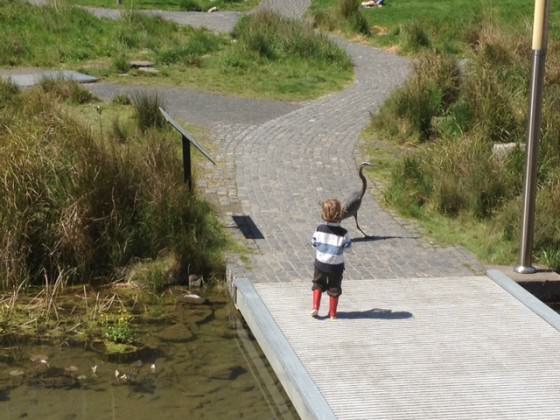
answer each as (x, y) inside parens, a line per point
(187, 139)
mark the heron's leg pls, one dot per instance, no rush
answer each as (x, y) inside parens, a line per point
(359, 228)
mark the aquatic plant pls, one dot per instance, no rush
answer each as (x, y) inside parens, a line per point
(118, 327)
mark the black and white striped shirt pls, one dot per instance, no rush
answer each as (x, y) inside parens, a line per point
(330, 240)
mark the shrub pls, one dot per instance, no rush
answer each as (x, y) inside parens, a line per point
(411, 185)
(146, 106)
(413, 37)
(359, 24)
(69, 90)
(466, 178)
(78, 206)
(120, 64)
(9, 93)
(118, 131)
(547, 224)
(350, 12)
(409, 113)
(450, 177)
(492, 104)
(190, 5)
(273, 37)
(464, 114)
(200, 43)
(238, 60)
(122, 99)
(324, 19)
(349, 8)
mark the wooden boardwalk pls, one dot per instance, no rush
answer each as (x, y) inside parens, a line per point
(430, 348)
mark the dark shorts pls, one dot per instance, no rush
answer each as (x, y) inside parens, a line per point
(329, 282)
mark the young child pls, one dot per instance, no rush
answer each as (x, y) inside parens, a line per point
(330, 240)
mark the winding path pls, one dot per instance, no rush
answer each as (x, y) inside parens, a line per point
(277, 161)
(285, 166)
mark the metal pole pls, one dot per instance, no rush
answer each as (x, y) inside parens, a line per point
(187, 176)
(540, 27)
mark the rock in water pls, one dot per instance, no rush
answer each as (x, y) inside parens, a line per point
(16, 372)
(192, 298)
(195, 280)
(177, 333)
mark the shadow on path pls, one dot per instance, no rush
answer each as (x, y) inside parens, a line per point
(375, 313)
(381, 238)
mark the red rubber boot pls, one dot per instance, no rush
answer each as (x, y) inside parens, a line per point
(333, 303)
(316, 302)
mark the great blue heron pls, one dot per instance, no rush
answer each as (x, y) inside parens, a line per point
(352, 204)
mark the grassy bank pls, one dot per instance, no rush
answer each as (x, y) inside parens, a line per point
(81, 204)
(267, 56)
(412, 25)
(182, 5)
(448, 121)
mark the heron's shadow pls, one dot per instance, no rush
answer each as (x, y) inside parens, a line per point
(373, 238)
(374, 313)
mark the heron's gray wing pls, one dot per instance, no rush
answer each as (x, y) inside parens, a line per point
(352, 203)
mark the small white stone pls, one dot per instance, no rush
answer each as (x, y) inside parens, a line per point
(192, 298)
(16, 372)
(500, 151)
(149, 70)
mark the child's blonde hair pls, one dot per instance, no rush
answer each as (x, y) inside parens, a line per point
(331, 211)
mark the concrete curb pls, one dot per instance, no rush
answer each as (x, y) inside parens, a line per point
(525, 297)
(303, 392)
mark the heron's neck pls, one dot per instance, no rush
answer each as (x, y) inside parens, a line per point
(364, 182)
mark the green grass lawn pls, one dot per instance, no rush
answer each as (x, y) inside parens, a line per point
(277, 58)
(433, 138)
(448, 23)
(483, 239)
(185, 5)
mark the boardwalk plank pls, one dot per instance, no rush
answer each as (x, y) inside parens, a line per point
(458, 348)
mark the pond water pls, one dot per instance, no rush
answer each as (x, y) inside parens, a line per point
(203, 365)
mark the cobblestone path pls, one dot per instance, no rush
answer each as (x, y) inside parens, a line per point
(286, 166)
(202, 108)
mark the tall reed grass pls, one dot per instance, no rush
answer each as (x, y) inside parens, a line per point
(346, 15)
(454, 113)
(270, 36)
(77, 204)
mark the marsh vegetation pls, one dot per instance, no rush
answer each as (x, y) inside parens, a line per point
(99, 236)
(80, 204)
(438, 137)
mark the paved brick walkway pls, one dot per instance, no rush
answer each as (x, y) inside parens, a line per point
(202, 108)
(285, 166)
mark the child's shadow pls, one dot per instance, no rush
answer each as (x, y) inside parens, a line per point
(375, 313)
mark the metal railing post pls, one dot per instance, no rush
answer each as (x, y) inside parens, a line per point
(540, 33)
(187, 140)
(187, 174)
